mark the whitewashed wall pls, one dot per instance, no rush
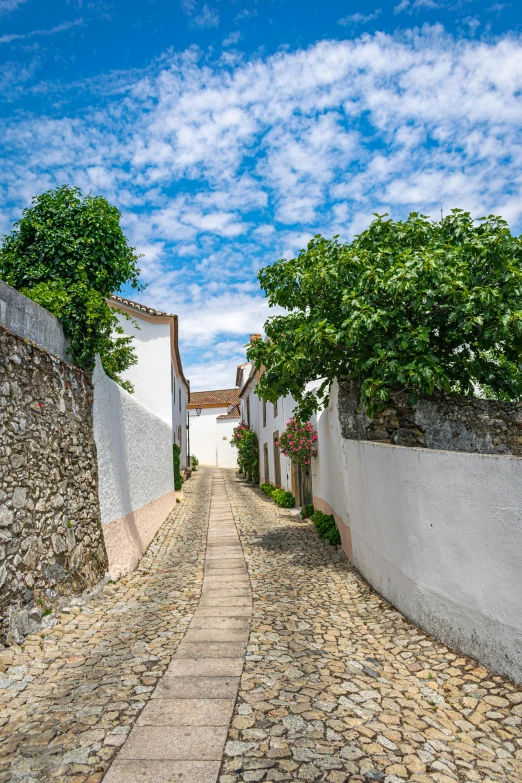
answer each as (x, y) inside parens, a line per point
(203, 434)
(135, 468)
(226, 454)
(151, 376)
(210, 437)
(179, 416)
(437, 533)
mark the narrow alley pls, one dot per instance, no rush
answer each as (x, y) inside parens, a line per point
(243, 649)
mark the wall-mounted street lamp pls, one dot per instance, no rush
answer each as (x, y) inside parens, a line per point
(189, 417)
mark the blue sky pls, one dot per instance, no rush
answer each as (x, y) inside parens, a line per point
(228, 133)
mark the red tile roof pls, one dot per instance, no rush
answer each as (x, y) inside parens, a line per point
(216, 398)
(140, 307)
(233, 414)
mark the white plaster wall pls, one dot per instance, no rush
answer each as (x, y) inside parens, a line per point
(437, 533)
(226, 454)
(328, 468)
(134, 450)
(151, 376)
(203, 434)
(179, 415)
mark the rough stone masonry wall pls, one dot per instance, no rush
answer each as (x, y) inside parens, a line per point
(51, 541)
(445, 422)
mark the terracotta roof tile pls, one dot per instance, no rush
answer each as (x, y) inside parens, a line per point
(137, 306)
(214, 397)
(233, 414)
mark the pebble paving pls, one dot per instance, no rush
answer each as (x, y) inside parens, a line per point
(338, 686)
(334, 685)
(71, 694)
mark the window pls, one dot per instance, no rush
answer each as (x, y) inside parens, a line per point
(264, 415)
(275, 409)
(180, 397)
(248, 411)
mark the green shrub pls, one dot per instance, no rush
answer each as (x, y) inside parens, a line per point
(195, 462)
(178, 478)
(326, 527)
(268, 489)
(307, 511)
(283, 498)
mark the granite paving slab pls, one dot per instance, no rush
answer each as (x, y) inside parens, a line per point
(188, 716)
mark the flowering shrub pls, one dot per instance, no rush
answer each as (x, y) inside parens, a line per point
(245, 441)
(298, 442)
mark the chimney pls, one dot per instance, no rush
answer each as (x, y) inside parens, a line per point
(254, 337)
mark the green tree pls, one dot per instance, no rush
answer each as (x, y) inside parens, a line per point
(422, 305)
(68, 254)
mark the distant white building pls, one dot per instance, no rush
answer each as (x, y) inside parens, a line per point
(157, 378)
(212, 418)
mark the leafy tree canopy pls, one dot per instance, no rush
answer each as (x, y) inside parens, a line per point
(427, 306)
(68, 254)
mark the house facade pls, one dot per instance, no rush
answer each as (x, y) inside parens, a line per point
(212, 416)
(269, 420)
(158, 379)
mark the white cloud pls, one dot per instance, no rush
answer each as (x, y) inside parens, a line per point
(59, 28)
(221, 167)
(6, 6)
(415, 6)
(359, 18)
(208, 17)
(232, 39)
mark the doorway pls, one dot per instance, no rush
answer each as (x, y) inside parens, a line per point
(277, 461)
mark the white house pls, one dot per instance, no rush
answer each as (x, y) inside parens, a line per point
(212, 418)
(157, 378)
(269, 421)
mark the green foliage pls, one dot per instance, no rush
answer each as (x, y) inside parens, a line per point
(425, 306)
(326, 528)
(283, 498)
(178, 478)
(245, 440)
(194, 462)
(307, 511)
(268, 489)
(68, 254)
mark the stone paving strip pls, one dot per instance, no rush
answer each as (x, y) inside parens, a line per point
(180, 735)
(338, 686)
(70, 695)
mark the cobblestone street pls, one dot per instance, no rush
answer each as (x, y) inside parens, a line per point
(71, 694)
(337, 686)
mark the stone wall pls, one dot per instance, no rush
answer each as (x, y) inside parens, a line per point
(446, 422)
(51, 541)
(27, 319)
